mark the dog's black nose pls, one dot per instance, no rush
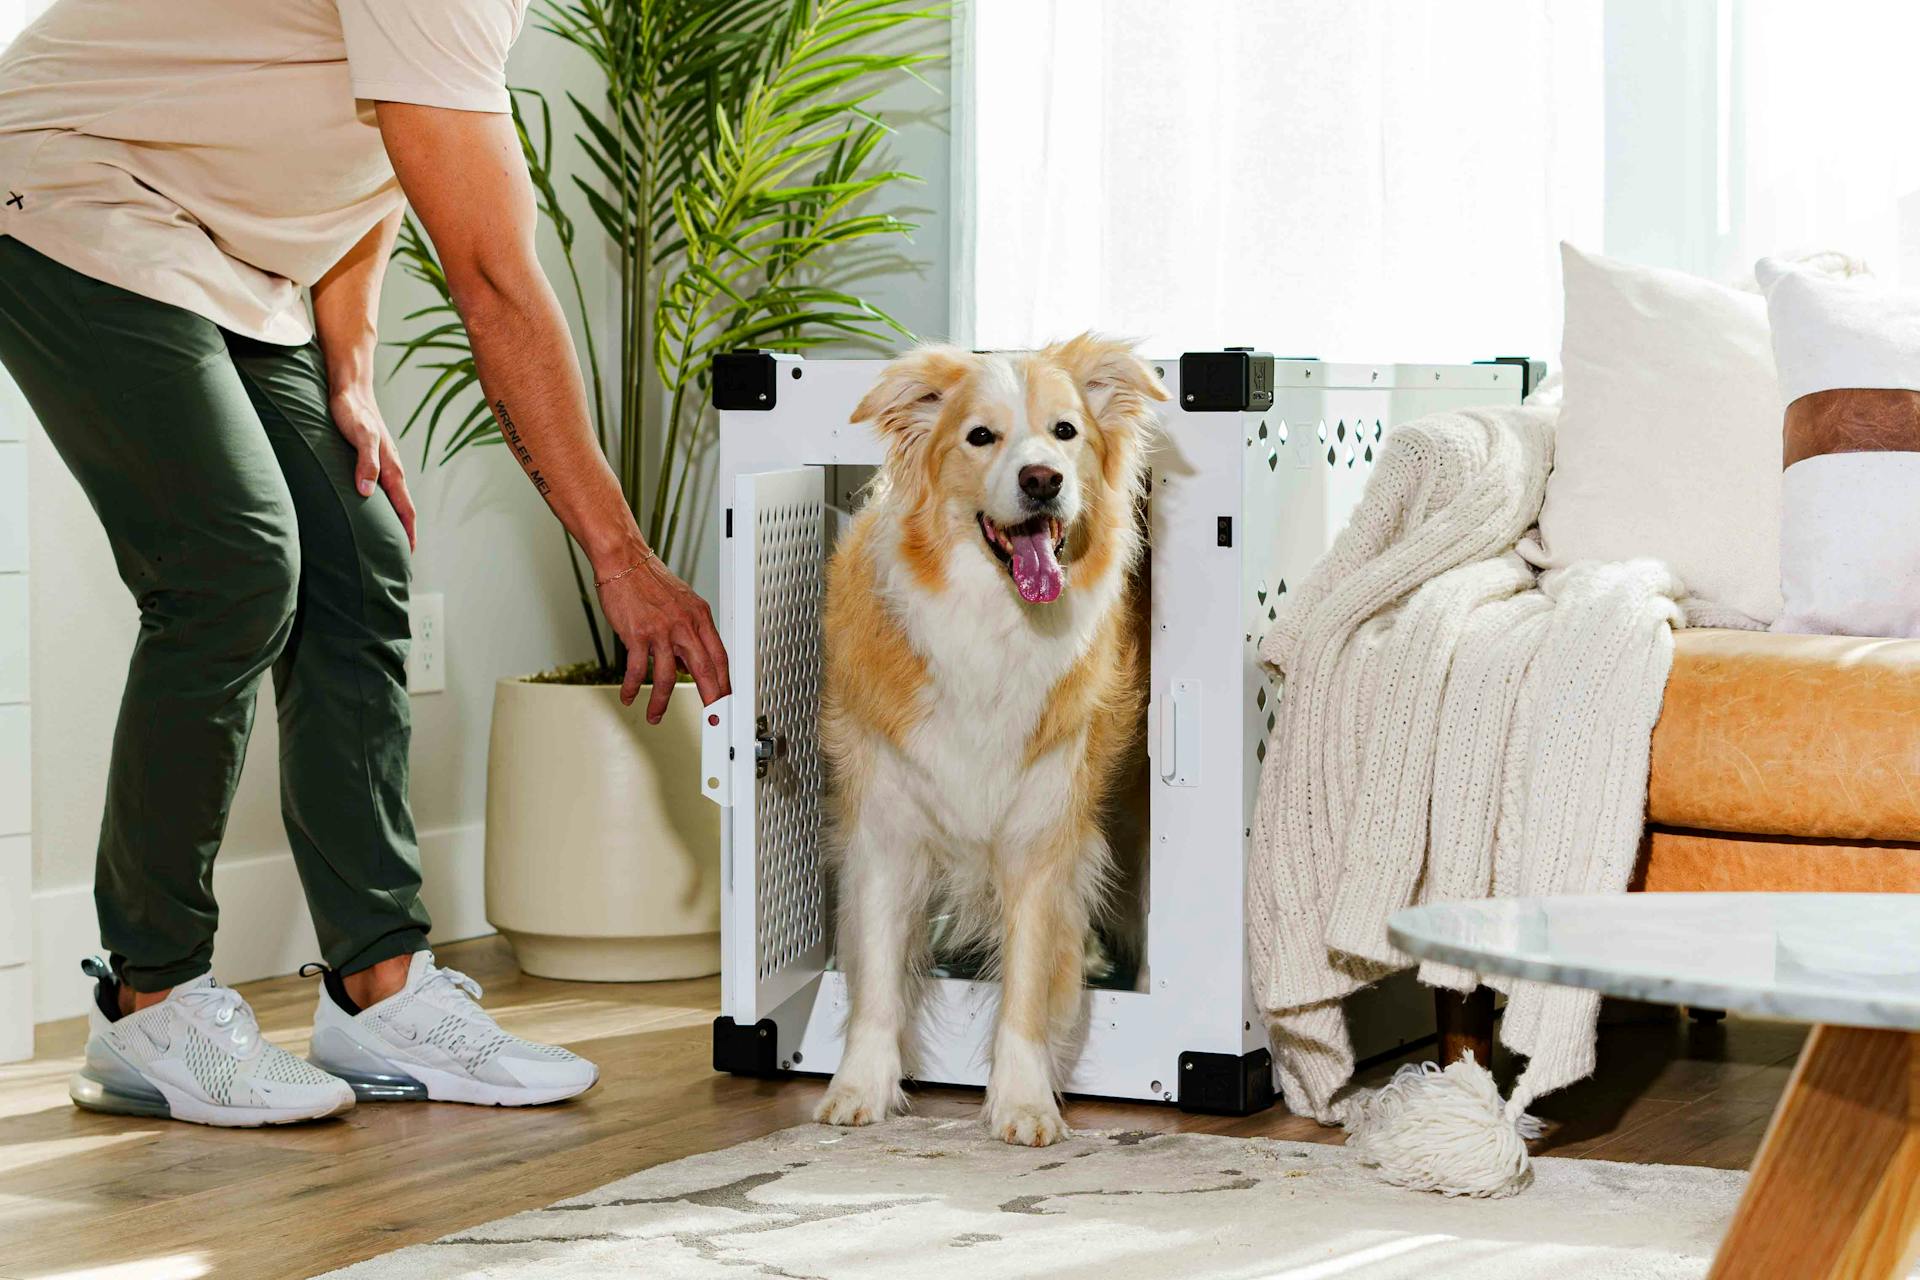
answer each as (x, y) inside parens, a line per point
(1042, 484)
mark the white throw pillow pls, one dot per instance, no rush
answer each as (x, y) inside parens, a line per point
(1849, 357)
(1669, 437)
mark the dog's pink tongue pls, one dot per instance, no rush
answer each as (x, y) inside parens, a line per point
(1035, 570)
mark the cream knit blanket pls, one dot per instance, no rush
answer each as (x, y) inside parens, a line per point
(1452, 724)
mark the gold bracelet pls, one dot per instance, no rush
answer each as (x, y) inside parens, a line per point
(601, 582)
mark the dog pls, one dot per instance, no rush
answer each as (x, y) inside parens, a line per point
(982, 693)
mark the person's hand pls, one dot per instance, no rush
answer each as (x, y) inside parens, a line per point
(662, 620)
(357, 417)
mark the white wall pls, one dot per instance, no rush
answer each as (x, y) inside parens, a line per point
(16, 766)
(486, 542)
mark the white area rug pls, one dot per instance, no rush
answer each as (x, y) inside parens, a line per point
(932, 1199)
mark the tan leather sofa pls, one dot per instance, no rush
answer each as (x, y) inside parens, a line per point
(1781, 763)
(1787, 763)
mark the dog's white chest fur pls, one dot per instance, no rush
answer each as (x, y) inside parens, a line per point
(993, 664)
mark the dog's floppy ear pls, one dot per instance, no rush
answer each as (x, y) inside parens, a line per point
(1115, 381)
(906, 400)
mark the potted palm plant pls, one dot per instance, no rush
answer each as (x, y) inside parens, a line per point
(734, 161)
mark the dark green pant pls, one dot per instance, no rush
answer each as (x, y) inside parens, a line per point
(229, 502)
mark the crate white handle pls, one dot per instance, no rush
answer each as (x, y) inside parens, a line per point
(716, 758)
(1180, 734)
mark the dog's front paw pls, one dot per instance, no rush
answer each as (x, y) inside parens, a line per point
(1028, 1124)
(851, 1103)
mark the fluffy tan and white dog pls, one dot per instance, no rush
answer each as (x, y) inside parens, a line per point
(982, 692)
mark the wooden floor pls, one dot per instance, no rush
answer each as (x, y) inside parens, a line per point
(117, 1199)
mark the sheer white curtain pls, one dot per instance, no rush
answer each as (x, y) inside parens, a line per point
(1366, 180)
(1823, 132)
(1739, 128)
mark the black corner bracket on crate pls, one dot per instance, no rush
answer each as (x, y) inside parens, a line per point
(746, 1051)
(745, 380)
(1532, 372)
(1226, 1084)
(1230, 381)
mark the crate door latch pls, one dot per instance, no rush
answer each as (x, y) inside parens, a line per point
(1180, 734)
(768, 747)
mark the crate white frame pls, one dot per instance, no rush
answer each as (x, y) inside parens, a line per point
(1285, 478)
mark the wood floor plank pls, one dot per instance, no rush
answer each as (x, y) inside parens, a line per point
(80, 1190)
(1714, 1132)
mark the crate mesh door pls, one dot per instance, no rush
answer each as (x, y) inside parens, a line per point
(779, 573)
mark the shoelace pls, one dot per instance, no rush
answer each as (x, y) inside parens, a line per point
(223, 1007)
(461, 983)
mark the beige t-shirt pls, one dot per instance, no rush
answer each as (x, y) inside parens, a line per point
(221, 155)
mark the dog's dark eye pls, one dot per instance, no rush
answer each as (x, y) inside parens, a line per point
(1064, 431)
(980, 437)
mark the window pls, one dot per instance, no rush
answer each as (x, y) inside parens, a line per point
(1374, 180)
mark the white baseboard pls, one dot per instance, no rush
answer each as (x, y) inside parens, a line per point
(16, 1030)
(264, 929)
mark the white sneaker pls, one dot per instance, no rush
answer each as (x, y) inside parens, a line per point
(430, 1041)
(196, 1056)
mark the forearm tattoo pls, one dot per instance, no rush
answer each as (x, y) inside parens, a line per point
(520, 450)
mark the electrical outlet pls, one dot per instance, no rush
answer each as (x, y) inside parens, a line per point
(427, 658)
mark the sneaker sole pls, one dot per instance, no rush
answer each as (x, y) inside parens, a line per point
(368, 1087)
(476, 1093)
(444, 1086)
(91, 1095)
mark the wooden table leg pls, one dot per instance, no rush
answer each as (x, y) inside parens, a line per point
(1835, 1190)
(1465, 1024)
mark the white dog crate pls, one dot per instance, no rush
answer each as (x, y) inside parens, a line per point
(1256, 467)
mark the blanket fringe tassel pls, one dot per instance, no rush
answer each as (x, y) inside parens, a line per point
(1445, 1130)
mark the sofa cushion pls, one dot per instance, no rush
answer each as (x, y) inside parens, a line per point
(1848, 352)
(1668, 443)
(1789, 735)
(1722, 862)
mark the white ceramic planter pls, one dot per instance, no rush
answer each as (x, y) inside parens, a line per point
(603, 858)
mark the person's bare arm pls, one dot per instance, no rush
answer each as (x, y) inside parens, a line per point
(346, 307)
(467, 181)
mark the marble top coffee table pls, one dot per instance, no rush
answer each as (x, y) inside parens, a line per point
(1835, 1190)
